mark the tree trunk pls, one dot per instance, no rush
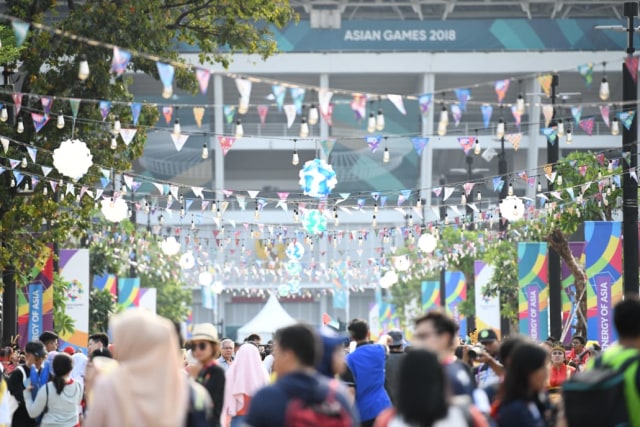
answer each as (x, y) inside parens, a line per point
(559, 243)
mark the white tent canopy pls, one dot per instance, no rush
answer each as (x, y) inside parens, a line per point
(267, 321)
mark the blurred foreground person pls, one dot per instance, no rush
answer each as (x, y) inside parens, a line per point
(147, 388)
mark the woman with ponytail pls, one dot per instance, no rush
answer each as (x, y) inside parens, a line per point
(58, 402)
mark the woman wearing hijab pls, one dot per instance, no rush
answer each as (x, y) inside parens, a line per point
(147, 388)
(243, 378)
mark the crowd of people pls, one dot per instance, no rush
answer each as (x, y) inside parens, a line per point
(310, 377)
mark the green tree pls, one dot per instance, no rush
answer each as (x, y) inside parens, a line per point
(62, 323)
(102, 305)
(123, 251)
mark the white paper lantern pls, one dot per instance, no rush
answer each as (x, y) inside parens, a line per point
(427, 243)
(187, 261)
(170, 246)
(512, 208)
(401, 263)
(114, 210)
(389, 279)
(72, 158)
(217, 287)
(205, 278)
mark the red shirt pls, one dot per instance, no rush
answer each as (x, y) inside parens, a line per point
(584, 356)
(558, 375)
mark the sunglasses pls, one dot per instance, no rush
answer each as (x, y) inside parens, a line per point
(202, 346)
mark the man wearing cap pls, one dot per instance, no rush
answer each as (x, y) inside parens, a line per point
(205, 346)
(36, 370)
(490, 369)
(392, 365)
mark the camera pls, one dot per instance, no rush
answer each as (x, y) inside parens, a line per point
(474, 352)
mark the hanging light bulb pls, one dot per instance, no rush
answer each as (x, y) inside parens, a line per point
(446, 219)
(380, 120)
(23, 163)
(386, 156)
(60, 121)
(182, 212)
(177, 129)
(147, 208)
(374, 222)
(444, 115)
(4, 114)
(610, 166)
(442, 128)
(520, 107)
(296, 218)
(161, 219)
(45, 191)
(569, 136)
(20, 127)
(243, 105)
(295, 159)
(116, 125)
(615, 126)
(193, 225)
(205, 151)
(539, 187)
(256, 214)
(559, 180)
(500, 128)
(410, 221)
(560, 128)
(313, 115)
(604, 89)
(114, 142)
(304, 128)
(83, 69)
(239, 129)
(478, 196)
(181, 199)
(510, 190)
(371, 123)
(477, 149)
(463, 199)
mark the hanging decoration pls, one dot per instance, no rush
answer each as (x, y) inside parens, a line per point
(72, 159)
(327, 146)
(203, 75)
(398, 101)
(626, 117)
(419, 143)
(127, 134)
(104, 107)
(466, 143)
(587, 125)
(514, 139)
(501, 87)
(170, 246)
(604, 113)
(295, 251)
(373, 142)
(244, 87)
(547, 112)
(359, 105)
(314, 222)
(576, 112)
(279, 92)
(297, 95)
(456, 112)
(324, 100)
(545, 81)
(167, 113)
(487, 112)
(39, 120)
(179, 139)
(263, 110)
(463, 96)
(114, 210)
(136, 109)
(187, 261)
(328, 115)
(631, 62)
(389, 279)
(401, 263)
(317, 178)
(290, 113)
(517, 115)
(226, 142)
(20, 31)
(586, 71)
(512, 208)
(120, 61)
(427, 243)
(166, 72)
(425, 101)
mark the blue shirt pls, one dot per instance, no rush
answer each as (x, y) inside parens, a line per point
(366, 364)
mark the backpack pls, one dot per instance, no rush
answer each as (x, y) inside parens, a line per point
(597, 397)
(327, 413)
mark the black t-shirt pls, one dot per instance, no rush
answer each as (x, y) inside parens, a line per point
(212, 377)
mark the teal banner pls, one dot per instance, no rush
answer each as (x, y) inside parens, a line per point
(453, 35)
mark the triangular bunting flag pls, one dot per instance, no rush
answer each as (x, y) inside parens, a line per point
(263, 110)
(587, 125)
(17, 101)
(198, 114)
(425, 101)
(229, 112)
(576, 112)
(604, 113)
(20, 30)
(46, 170)
(327, 146)
(14, 163)
(448, 191)
(547, 112)
(586, 71)
(626, 117)
(18, 176)
(33, 152)
(179, 140)
(105, 107)
(47, 103)
(166, 73)
(242, 202)
(498, 183)
(324, 99)
(279, 92)
(419, 143)
(136, 109)
(463, 96)
(398, 102)
(226, 142)
(253, 193)
(466, 143)
(502, 86)
(5, 144)
(297, 95)
(39, 120)
(487, 112)
(75, 106)
(203, 76)
(359, 105)
(127, 135)
(120, 60)
(545, 81)
(167, 112)
(290, 112)
(373, 142)
(514, 139)
(456, 113)
(197, 191)
(631, 63)
(517, 115)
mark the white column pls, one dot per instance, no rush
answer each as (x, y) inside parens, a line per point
(426, 162)
(218, 129)
(533, 150)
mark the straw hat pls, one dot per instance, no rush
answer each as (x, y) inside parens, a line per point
(204, 332)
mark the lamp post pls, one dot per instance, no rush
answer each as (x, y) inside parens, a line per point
(443, 214)
(630, 146)
(555, 282)
(502, 171)
(469, 160)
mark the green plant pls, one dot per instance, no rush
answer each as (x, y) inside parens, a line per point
(102, 305)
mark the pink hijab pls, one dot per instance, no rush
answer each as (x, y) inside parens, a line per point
(147, 388)
(245, 376)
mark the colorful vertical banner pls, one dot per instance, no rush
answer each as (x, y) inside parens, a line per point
(148, 299)
(533, 303)
(388, 317)
(569, 295)
(35, 310)
(487, 308)
(74, 270)
(43, 275)
(106, 281)
(374, 321)
(603, 261)
(430, 295)
(129, 292)
(456, 292)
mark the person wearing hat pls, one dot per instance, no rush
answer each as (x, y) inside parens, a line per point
(559, 371)
(490, 369)
(392, 365)
(205, 348)
(35, 370)
(50, 341)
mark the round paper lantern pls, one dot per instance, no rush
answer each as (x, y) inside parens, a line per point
(295, 251)
(293, 268)
(187, 261)
(72, 158)
(317, 178)
(170, 246)
(314, 222)
(389, 279)
(283, 290)
(512, 208)
(401, 263)
(205, 278)
(114, 210)
(217, 287)
(427, 243)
